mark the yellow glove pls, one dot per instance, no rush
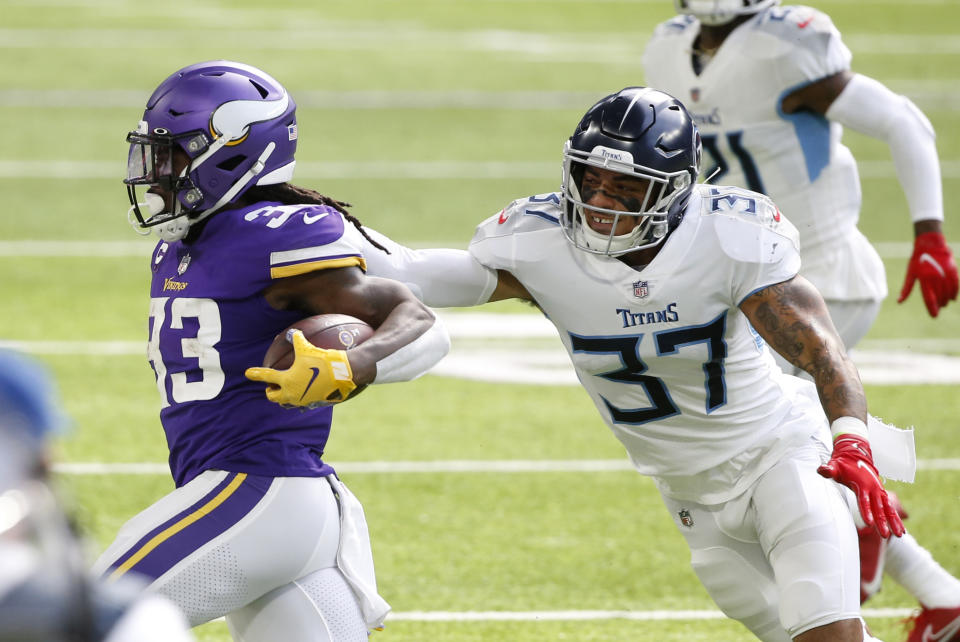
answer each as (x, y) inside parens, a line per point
(317, 377)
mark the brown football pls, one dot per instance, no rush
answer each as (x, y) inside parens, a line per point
(334, 331)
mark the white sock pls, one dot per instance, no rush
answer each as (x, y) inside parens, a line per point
(914, 568)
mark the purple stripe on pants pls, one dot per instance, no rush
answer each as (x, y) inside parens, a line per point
(181, 544)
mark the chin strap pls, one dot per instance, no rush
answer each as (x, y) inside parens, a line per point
(177, 229)
(134, 223)
(153, 203)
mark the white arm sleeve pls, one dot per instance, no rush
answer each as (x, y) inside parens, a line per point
(441, 278)
(415, 358)
(869, 107)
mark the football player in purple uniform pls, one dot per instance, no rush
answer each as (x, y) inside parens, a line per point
(772, 89)
(259, 529)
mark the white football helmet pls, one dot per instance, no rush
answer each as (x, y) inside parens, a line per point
(719, 12)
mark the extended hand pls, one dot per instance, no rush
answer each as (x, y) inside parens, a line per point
(932, 262)
(317, 377)
(852, 465)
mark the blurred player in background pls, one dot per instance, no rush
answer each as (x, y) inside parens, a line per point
(655, 285)
(771, 89)
(46, 592)
(259, 528)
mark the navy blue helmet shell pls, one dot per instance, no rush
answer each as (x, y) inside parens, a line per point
(642, 132)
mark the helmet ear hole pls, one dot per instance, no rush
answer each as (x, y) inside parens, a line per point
(231, 163)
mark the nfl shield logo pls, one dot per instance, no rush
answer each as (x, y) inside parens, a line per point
(184, 263)
(695, 94)
(346, 339)
(641, 289)
(685, 518)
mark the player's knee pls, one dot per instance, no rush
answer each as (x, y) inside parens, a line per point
(739, 590)
(817, 586)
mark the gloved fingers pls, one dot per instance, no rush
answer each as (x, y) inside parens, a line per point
(892, 516)
(897, 505)
(931, 295)
(277, 395)
(300, 343)
(953, 285)
(828, 470)
(266, 375)
(907, 284)
(866, 512)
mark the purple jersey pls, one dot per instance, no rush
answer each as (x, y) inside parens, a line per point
(209, 322)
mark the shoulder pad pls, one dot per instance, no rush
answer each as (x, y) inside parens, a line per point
(801, 43)
(293, 216)
(676, 25)
(799, 25)
(749, 226)
(492, 244)
(523, 215)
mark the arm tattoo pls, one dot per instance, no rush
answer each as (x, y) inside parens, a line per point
(792, 318)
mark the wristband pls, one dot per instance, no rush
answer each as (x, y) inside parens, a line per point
(849, 426)
(415, 358)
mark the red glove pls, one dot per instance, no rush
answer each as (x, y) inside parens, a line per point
(852, 465)
(932, 262)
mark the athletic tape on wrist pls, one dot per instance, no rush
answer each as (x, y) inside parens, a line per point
(849, 426)
(415, 358)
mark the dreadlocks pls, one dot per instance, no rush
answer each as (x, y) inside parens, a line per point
(295, 195)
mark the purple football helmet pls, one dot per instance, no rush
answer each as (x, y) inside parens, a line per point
(236, 124)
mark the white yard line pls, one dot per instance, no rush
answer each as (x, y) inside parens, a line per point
(930, 94)
(544, 616)
(557, 616)
(499, 466)
(486, 348)
(408, 36)
(143, 248)
(549, 365)
(85, 249)
(380, 170)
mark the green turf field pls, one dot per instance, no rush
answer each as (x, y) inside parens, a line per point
(428, 116)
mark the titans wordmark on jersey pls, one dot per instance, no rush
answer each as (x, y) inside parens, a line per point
(670, 361)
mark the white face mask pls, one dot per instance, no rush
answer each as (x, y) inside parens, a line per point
(153, 204)
(714, 13)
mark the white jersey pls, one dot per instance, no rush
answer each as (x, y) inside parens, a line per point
(797, 159)
(672, 364)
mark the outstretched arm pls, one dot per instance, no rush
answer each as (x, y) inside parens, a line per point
(792, 318)
(441, 277)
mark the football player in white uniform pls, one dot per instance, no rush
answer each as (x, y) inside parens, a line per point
(771, 88)
(664, 293)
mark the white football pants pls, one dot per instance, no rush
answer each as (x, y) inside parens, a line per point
(261, 551)
(782, 558)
